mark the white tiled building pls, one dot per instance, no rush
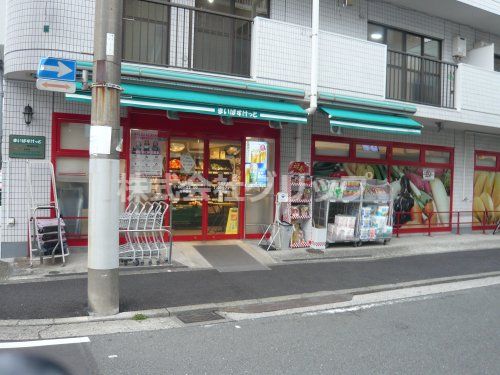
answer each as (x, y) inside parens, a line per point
(456, 100)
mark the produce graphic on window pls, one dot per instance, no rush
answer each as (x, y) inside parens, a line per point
(486, 204)
(336, 170)
(418, 201)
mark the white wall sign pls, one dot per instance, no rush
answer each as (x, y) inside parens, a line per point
(187, 163)
(428, 174)
(110, 44)
(100, 140)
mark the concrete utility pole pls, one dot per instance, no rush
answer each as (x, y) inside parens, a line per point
(104, 163)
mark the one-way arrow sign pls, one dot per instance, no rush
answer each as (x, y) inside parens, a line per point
(54, 85)
(57, 69)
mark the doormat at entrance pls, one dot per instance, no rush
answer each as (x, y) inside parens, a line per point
(229, 258)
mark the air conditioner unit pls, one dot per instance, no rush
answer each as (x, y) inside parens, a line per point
(459, 47)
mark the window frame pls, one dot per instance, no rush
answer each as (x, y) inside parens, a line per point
(477, 167)
(233, 7)
(389, 163)
(496, 60)
(405, 34)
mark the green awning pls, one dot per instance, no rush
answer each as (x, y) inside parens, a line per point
(371, 121)
(204, 103)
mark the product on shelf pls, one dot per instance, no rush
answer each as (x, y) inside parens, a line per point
(298, 207)
(356, 210)
(351, 189)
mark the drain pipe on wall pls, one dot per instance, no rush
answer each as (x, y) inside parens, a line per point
(313, 97)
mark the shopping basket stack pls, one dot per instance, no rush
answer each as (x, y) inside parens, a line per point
(144, 232)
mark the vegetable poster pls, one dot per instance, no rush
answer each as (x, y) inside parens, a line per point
(486, 204)
(419, 198)
(420, 194)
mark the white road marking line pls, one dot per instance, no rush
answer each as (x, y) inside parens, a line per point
(112, 356)
(33, 344)
(237, 327)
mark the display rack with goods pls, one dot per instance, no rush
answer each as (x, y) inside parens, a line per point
(351, 209)
(298, 209)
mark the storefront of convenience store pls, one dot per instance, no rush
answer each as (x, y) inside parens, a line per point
(214, 158)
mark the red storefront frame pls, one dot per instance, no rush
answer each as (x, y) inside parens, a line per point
(477, 168)
(388, 162)
(189, 125)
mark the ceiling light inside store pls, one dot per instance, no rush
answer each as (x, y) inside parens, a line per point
(177, 147)
(376, 36)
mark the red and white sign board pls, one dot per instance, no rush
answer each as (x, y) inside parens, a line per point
(57, 86)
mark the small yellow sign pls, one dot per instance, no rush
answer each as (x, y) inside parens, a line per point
(232, 221)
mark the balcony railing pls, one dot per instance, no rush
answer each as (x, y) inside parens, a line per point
(175, 35)
(420, 80)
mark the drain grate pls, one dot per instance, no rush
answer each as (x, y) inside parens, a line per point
(198, 316)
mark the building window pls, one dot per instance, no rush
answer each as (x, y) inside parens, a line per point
(405, 41)
(414, 69)
(497, 63)
(242, 8)
(146, 32)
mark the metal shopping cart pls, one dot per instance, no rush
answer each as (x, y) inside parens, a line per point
(144, 232)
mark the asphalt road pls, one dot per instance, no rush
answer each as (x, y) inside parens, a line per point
(451, 333)
(65, 298)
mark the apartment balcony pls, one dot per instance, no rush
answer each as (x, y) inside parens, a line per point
(478, 93)
(281, 55)
(180, 36)
(420, 80)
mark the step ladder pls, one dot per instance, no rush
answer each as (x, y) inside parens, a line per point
(47, 237)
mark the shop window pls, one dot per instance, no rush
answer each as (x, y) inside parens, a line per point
(406, 154)
(337, 170)
(368, 151)
(331, 148)
(486, 202)
(439, 157)
(188, 186)
(224, 175)
(259, 192)
(486, 160)
(72, 181)
(421, 196)
(75, 136)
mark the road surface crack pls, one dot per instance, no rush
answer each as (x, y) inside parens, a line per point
(39, 333)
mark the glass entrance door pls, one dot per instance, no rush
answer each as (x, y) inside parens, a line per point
(188, 186)
(224, 176)
(202, 179)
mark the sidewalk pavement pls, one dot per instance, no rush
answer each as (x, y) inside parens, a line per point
(407, 245)
(60, 297)
(186, 257)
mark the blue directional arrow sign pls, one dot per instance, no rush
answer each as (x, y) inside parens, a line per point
(58, 69)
